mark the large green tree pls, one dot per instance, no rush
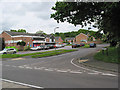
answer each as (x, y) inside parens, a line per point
(105, 15)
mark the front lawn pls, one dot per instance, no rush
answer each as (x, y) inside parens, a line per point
(112, 56)
(37, 54)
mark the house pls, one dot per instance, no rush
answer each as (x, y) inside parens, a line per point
(70, 40)
(58, 40)
(49, 39)
(32, 40)
(83, 38)
(0, 44)
(80, 38)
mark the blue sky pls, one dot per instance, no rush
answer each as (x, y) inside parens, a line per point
(32, 15)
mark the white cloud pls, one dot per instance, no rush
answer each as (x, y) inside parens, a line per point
(32, 16)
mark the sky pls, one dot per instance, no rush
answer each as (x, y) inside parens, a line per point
(32, 15)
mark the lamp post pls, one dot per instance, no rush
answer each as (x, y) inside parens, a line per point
(54, 33)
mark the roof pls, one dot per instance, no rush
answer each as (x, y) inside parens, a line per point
(82, 33)
(49, 35)
(21, 33)
(70, 38)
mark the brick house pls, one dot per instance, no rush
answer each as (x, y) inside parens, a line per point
(83, 38)
(70, 40)
(58, 40)
(80, 38)
(49, 39)
(0, 44)
(32, 40)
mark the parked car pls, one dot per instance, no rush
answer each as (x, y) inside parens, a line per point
(35, 48)
(58, 45)
(62, 45)
(51, 46)
(78, 45)
(8, 51)
(82, 44)
(45, 47)
(92, 45)
(74, 45)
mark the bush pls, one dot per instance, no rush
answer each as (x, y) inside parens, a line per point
(27, 48)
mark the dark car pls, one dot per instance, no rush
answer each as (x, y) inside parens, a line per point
(82, 44)
(74, 45)
(92, 45)
(78, 45)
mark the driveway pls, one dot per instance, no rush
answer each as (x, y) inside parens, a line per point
(58, 72)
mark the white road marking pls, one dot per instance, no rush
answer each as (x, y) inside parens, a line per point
(61, 71)
(83, 67)
(29, 67)
(48, 69)
(93, 73)
(20, 66)
(75, 72)
(109, 74)
(24, 84)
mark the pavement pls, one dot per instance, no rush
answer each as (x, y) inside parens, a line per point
(61, 71)
(90, 62)
(12, 85)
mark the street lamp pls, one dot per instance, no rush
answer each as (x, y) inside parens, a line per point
(55, 29)
(54, 33)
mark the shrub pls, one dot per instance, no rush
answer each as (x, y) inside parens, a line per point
(27, 48)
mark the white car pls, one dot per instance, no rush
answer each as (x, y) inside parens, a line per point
(8, 51)
(36, 48)
(58, 45)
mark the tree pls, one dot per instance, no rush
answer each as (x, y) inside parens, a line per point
(105, 14)
(22, 44)
(22, 30)
(19, 30)
(13, 30)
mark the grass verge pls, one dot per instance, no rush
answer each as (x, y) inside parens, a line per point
(52, 53)
(111, 58)
(41, 54)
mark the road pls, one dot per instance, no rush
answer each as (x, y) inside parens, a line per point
(57, 71)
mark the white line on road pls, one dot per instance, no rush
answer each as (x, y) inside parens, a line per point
(28, 67)
(83, 67)
(48, 69)
(61, 71)
(95, 72)
(24, 84)
(75, 72)
(108, 74)
(20, 66)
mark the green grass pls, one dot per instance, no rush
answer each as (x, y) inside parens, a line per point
(112, 56)
(52, 53)
(41, 54)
